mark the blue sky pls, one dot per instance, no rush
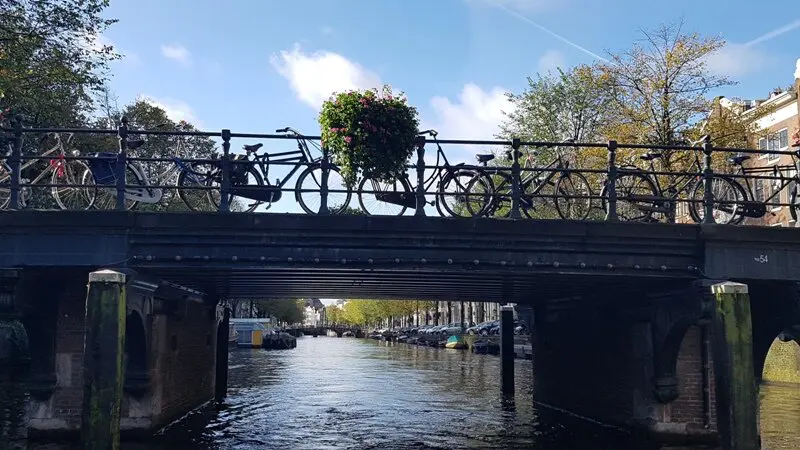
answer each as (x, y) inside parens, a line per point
(258, 65)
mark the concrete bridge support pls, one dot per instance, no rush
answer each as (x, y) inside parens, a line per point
(170, 347)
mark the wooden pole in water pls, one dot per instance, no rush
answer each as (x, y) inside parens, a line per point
(736, 391)
(507, 351)
(221, 384)
(103, 351)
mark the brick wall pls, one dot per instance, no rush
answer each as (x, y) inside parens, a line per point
(183, 367)
(687, 409)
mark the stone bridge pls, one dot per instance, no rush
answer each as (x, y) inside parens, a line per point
(620, 311)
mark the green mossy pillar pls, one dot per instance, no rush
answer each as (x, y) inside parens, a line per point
(103, 353)
(736, 393)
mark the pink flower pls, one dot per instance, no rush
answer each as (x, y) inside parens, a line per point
(348, 139)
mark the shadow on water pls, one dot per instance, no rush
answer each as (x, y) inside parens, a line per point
(332, 393)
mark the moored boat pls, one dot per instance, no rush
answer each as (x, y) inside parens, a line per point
(456, 342)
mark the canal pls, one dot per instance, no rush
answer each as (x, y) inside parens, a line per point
(348, 393)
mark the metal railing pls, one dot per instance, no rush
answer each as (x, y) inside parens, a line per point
(539, 180)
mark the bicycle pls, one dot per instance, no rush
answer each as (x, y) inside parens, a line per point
(61, 172)
(640, 193)
(568, 188)
(747, 206)
(256, 166)
(401, 192)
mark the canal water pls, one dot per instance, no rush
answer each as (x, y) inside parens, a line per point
(346, 393)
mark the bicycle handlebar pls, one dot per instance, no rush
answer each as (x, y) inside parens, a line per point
(432, 133)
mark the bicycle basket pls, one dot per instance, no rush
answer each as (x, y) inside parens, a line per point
(102, 167)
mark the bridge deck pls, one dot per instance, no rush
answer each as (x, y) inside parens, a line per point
(278, 255)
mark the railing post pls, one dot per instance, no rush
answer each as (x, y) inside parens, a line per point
(15, 163)
(516, 179)
(325, 165)
(225, 186)
(121, 163)
(708, 179)
(611, 182)
(420, 177)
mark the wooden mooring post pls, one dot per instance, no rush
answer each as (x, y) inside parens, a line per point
(736, 390)
(103, 353)
(507, 351)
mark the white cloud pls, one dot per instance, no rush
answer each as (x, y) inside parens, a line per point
(176, 110)
(327, 30)
(797, 69)
(477, 114)
(736, 60)
(315, 76)
(551, 60)
(177, 52)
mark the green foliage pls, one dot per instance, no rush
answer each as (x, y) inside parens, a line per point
(51, 58)
(371, 312)
(369, 133)
(282, 311)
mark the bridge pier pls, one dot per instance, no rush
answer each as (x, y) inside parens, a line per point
(221, 380)
(169, 351)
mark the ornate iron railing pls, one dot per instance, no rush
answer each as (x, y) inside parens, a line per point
(539, 180)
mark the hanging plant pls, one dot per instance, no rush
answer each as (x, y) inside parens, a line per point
(369, 133)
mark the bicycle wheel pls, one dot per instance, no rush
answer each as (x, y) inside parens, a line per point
(198, 175)
(633, 204)
(249, 178)
(5, 186)
(487, 196)
(309, 185)
(573, 196)
(452, 197)
(104, 196)
(385, 199)
(71, 197)
(722, 190)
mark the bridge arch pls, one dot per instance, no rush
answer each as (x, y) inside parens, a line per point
(136, 355)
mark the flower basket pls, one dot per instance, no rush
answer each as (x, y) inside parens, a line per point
(369, 133)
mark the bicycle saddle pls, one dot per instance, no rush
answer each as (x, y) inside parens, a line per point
(649, 156)
(737, 160)
(252, 148)
(484, 158)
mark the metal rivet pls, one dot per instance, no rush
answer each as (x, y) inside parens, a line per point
(316, 260)
(149, 258)
(663, 267)
(344, 261)
(135, 257)
(610, 266)
(177, 258)
(370, 261)
(234, 258)
(397, 260)
(206, 258)
(290, 259)
(476, 262)
(263, 258)
(637, 266)
(423, 260)
(583, 265)
(691, 267)
(530, 263)
(556, 264)
(449, 261)
(502, 263)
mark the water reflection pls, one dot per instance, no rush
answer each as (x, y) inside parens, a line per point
(331, 393)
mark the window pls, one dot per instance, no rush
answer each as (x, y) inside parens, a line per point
(778, 141)
(758, 189)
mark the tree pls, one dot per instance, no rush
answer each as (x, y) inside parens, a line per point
(660, 86)
(282, 310)
(52, 58)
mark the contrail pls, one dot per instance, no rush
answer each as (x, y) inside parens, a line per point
(774, 33)
(548, 31)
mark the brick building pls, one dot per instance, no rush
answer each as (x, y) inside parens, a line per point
(777, 131)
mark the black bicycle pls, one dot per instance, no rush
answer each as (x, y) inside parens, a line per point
(569, 191)
(397, 196)
(250, 185)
